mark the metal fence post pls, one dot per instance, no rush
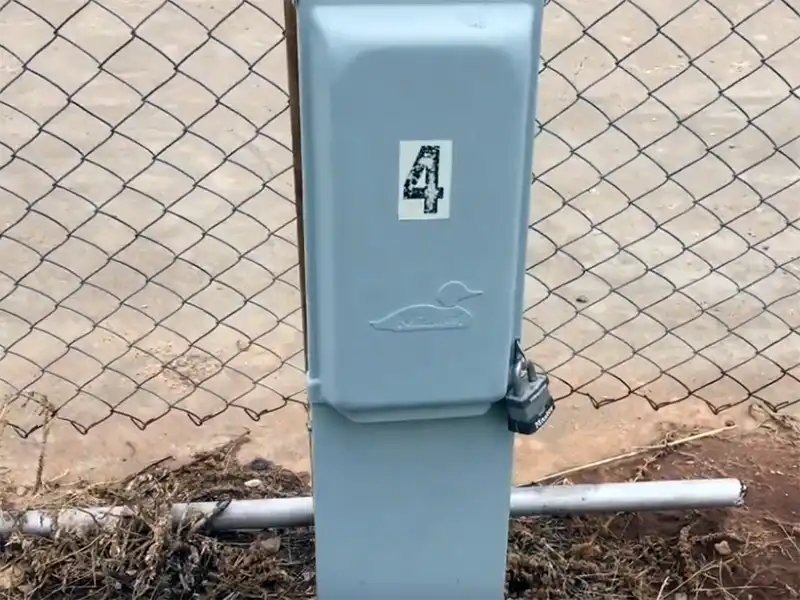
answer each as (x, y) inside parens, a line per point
(417, 127)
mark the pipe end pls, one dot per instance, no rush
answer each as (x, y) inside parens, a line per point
(742, 494)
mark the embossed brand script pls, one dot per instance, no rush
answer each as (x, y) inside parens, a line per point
(425, 317)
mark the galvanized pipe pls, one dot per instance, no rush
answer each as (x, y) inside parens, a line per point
(525, 502)
(627, 497)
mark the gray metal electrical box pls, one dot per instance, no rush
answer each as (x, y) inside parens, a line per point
(417, 120)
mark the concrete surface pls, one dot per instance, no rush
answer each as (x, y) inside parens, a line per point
(148, 260)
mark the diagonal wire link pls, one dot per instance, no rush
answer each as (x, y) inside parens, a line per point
(150, 259)
(665, 244)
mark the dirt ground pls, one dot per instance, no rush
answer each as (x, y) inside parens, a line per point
(748, 553)
(761, 536)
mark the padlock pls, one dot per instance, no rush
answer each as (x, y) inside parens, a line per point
(528, 401)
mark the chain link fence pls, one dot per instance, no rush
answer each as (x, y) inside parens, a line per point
(148, 249)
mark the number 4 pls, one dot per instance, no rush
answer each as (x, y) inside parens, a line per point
(424, 179)
(426, 189)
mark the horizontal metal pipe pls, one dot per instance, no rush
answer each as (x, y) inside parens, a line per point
(525, 502)
(626, 497)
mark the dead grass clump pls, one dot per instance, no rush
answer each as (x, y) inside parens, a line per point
(596, 558)
(144, 556)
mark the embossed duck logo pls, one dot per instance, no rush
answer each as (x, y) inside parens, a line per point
(425, 317)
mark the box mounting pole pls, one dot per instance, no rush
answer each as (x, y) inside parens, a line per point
(417, 127)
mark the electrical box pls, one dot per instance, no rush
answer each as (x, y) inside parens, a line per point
(417, 122)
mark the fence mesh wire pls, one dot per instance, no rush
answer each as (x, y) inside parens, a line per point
(148, 253)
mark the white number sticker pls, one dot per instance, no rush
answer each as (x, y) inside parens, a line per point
(426, 171)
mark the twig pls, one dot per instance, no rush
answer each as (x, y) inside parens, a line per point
(633, 453)
(4, 406)
(148, 467)
(661, 590)
(789, 537)
(47, 410)
(781, 421)
(207, 519)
